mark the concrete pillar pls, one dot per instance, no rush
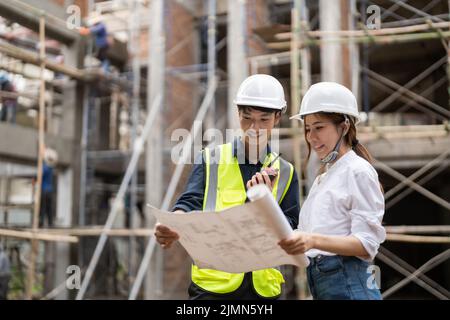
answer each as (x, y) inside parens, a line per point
(330, 53)
(71, 128)
(63, 220)
(354, 51)
(236, 50)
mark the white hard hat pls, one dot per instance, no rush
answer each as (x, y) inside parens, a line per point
(328, 97)
(261, 90)
(50, 156)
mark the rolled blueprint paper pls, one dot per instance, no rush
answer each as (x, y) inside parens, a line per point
(261, 195)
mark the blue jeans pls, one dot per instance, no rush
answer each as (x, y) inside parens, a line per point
(340, 278)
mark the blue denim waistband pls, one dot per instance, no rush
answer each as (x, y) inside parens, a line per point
(321, 257)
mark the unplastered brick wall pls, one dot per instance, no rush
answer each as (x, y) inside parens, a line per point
(180, 107)
(82, 4)
(257, 14)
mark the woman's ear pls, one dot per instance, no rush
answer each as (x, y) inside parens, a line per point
(346, 126)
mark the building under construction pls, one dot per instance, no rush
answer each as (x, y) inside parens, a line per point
(106, 118)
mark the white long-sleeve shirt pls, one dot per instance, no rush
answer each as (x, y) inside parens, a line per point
(346, 200)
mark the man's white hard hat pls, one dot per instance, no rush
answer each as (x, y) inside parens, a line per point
(328, 97)
(261, 90)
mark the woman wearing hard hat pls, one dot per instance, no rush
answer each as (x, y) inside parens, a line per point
(340, 222)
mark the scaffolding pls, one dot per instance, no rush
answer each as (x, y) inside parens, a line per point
(295, 47)
(405, 30)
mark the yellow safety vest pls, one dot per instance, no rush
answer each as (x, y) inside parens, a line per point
(224, 188)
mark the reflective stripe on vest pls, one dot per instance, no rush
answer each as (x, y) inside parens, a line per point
(212, 160)
(224, 188)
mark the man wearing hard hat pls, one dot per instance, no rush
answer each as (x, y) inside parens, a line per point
(220, 182)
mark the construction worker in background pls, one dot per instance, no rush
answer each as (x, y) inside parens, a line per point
(340, 222)
(8, 104)
(47, 189)
(98, 29)
(220, 179)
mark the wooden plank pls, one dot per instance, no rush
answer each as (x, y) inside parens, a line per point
(33, 58)
(362, 33)
(418, 229)
(43, 236)
(389, 39)
(416, 239)
(97, 231)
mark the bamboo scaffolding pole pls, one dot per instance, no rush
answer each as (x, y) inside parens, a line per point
(97, 231)
(402, 267)
(137, 150)
(15, 95)
(295, 86)
(409, 93)
(442, 167)
(390, 39)
(301, 77)
(377, 136)
(7, 206)
(426, 94)
(134, 32)
(413, 103)
(390, 11)
(75, 73)
(418, 229)
(409, 22)
(372, 33)
(17, 70)
(174, 180)
(430, 264)
(407, 128)
(295, 103)
(416, 239)
(410, 269)
(448, 64)
(36, 59)
(409, 85)
(386, 132)
(285, 55)
(41, 146)
(415, 10)
(412, 184)
(417, 174)
(37, 235)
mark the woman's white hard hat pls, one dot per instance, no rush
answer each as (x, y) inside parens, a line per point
(328, 97)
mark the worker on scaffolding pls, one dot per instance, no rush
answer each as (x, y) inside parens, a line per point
(98, 30)
(9, 103)
(219, 179)
(47, 189)
(340, 221)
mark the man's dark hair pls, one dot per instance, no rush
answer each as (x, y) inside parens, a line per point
(246, 108)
